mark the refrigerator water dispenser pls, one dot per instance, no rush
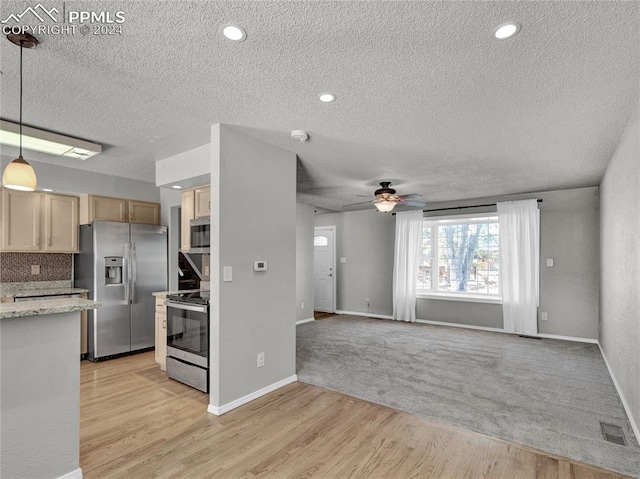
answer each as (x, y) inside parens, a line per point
(112, 270)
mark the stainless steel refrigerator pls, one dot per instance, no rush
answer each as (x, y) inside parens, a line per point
(121, 265)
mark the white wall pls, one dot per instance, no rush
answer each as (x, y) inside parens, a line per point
(568, 290)
(253, 217)
(190, 168)
(304, 261)
(620, 266)
(73, 181)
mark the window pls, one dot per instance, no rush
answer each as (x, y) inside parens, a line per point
(460, 257)
(320, 241)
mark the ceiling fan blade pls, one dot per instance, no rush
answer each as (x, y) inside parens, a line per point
(411, 203)
(413, 196)
(365, 196)
(356, 204)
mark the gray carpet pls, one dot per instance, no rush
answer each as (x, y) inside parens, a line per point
(547, 394)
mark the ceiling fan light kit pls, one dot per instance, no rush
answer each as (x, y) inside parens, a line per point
(19, 174)
(385, 199)
(385, 206)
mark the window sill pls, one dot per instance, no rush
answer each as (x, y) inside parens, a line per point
(467, 298)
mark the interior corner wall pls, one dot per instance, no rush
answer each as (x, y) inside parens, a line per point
(620, 267)
(253, 218)
(568, 291)
(305, 218)
(366, 240)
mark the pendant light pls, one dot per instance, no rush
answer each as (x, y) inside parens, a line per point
(19, 174)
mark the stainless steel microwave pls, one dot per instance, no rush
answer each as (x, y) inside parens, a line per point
(200, 235)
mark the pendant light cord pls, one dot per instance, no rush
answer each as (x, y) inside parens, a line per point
(21, 43)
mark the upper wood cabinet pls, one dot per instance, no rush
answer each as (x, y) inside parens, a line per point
(33, 221)
(20, 220)
(187, 213)
(144, 212)
(104, 208)
(60, 225)
(202, 201)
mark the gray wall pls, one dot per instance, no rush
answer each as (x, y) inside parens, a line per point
(304, 261)
(251, 221)
(40, 396)
(620, 266)
(366, 239)
(73, 181)
(568, 290)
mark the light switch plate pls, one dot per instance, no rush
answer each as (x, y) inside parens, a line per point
(549, 261)
(227, 273)
(343, 260)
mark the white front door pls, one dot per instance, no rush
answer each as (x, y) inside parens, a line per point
(324, 274)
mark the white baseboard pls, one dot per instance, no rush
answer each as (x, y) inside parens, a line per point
(625, 404)
(77, 474)
(368, 315)
(302, 321)
(219, 410)
(497, 330)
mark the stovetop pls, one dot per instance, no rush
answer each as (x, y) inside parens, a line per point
(198, 297)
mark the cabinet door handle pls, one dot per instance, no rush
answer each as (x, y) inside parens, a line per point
(122, 215)
(209, 204)
(49, 241)
(132, 217)
(37, 240)
(164, 324)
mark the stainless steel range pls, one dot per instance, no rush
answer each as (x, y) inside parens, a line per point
(188, 338)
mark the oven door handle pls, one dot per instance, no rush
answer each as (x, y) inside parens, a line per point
(186, 307)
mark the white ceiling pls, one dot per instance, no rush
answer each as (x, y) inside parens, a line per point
(426, 97)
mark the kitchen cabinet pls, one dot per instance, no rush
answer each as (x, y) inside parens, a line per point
(20, 220)
(144, 212)
(202, 201)
(60, 226)
(187, 214)
(83, 328)
(33, 221)
(104, 208)
(161, 333)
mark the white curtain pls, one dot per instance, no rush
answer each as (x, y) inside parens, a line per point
(405, 264)
(520, 264)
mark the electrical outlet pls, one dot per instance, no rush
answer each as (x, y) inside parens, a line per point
(35, 269)
(227, 274)
(302, 305)
(544, 316)
(549, 262)
(260, 360)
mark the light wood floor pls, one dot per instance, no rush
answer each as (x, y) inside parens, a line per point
(136, 423)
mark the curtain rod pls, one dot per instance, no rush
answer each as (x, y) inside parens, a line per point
(462, 207)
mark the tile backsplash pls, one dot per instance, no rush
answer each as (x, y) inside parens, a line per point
(16, 267)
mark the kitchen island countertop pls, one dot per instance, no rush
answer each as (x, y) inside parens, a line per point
(47, 306)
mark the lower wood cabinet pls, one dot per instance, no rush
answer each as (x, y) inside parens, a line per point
(161, 333)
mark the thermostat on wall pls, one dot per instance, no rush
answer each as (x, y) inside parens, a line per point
(260, 266)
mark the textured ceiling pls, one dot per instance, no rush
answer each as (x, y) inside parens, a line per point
(426, 97)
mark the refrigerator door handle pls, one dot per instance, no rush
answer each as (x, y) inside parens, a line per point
(127, 273)
(134, 272)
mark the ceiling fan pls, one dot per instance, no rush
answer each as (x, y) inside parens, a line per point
(385, 198)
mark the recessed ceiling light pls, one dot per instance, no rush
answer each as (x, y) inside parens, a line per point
(48, 190)
(177, 187)
(233, 33)
(507, 30)
(327, 97)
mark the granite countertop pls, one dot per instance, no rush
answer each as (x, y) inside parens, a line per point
(44, 292)
(45, 306)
